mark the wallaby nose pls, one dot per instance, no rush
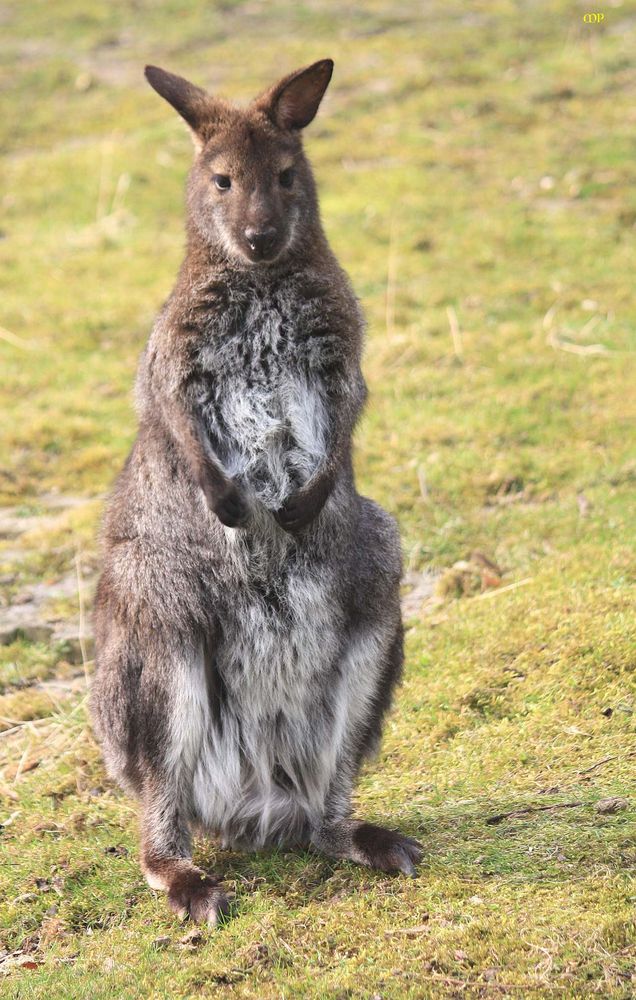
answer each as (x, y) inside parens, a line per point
(261, 240)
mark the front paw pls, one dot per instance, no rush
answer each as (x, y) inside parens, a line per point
(229, 505)
(302, 507)
(386, 849)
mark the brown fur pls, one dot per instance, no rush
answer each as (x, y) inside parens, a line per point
(274, 648)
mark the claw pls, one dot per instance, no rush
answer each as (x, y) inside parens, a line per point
(403, 862)
(200, 899)
(231, 510)
(387, 849)
(416, 850)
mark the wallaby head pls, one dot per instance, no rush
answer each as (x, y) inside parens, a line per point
(251, 192)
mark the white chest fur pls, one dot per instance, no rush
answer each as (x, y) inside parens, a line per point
(263, 396)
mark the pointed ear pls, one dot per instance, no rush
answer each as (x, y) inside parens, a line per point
(193, 104)
(292, 103)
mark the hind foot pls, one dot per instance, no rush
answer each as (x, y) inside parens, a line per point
(369, 845)
(386, 849)
(199, 897)
(191, 893)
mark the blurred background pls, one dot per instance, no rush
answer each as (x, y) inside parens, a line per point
(476, 170)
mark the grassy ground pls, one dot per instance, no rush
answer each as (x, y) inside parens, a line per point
(477, 175)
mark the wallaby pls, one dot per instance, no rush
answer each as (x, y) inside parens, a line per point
(247, 616)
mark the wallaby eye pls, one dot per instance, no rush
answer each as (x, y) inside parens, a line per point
(286, 177)
(222, 182)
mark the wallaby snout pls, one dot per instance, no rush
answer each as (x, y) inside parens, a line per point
(262, 242)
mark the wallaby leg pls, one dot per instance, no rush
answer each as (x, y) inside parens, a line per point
(151, 722)
(338, 835)
(166, 862)
(369, 845)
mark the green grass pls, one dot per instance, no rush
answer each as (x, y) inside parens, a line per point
(477, 159)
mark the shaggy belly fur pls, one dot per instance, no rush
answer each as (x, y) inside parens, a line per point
(264, 741)
(261, 741)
